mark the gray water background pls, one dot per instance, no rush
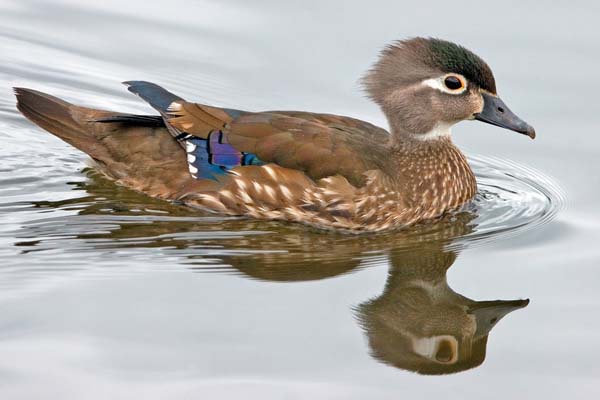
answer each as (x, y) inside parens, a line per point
(107, 294)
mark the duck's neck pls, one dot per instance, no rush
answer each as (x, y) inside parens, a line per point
(432, 172)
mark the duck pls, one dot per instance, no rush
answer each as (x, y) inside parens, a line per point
(328, 171)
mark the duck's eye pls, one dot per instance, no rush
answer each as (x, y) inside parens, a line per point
(453, 83)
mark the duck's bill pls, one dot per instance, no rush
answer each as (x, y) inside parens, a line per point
(495, 112)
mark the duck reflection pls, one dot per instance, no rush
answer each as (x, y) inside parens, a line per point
(418, 323)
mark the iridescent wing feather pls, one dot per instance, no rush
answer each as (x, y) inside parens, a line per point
(218, 139)
(320, 145)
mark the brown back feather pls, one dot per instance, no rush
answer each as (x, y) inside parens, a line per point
(320, 145)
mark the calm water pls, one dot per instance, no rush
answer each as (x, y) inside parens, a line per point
(105, 293)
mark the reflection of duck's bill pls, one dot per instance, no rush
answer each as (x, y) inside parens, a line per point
(497, 304)
(487, 313)
(495, 112)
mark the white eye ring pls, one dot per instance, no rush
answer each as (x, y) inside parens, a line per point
(438, 83)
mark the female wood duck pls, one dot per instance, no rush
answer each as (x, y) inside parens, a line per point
(324, 170)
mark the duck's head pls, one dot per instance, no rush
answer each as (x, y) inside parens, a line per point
(424, 86)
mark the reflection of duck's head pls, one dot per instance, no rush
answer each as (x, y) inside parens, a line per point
(421, 324)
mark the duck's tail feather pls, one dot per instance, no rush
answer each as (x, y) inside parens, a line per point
(132, 119)
(134, 150)
(56, 116)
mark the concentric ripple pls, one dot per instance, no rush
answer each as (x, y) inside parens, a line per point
(511, 198)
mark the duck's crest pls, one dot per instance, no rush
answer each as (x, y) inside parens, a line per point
(452, 57)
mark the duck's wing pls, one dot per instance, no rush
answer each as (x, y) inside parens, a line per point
(320, 145)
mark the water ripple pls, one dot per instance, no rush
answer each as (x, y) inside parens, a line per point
(55, 218)
(104, 221)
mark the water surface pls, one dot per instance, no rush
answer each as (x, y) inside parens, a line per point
(105, 293)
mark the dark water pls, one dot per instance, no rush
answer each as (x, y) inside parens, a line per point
(105, 293)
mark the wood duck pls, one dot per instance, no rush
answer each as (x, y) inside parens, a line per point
(324, 170)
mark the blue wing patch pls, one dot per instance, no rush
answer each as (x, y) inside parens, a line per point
(211, 157)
